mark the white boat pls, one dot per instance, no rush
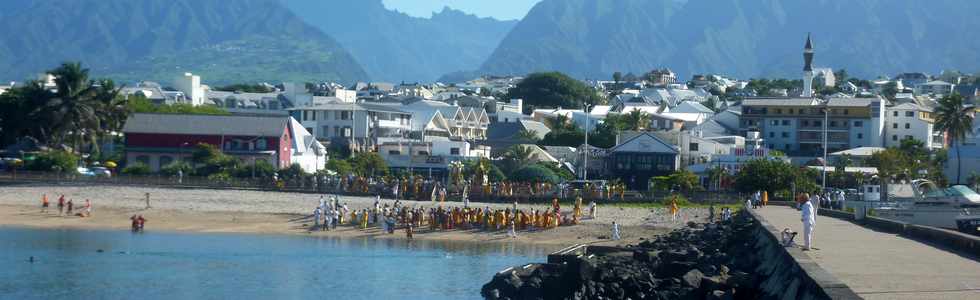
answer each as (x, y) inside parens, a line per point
(956, 207)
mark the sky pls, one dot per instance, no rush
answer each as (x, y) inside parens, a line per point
(499, 9)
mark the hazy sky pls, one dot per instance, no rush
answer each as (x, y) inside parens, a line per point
(500, 9)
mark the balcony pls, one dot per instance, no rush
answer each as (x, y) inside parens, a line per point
(391, 124)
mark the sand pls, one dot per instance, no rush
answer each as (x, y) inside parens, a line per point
(237, 211)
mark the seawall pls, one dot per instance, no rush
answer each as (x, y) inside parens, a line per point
(737, 259)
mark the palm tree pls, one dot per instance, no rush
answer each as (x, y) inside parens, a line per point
(637, 120)
(557, 123)
(73, 109)
(528, 135)
(520, 154)
(956, 119)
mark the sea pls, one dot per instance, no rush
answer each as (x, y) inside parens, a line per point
(106, 264)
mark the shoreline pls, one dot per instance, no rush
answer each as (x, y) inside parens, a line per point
(279, 224)
(262, 212)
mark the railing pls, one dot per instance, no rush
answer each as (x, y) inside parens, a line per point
(335, 185)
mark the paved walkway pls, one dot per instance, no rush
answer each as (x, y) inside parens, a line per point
(878, 265)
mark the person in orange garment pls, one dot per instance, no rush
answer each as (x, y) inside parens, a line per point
(44, 203)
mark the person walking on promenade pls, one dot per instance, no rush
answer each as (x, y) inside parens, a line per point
(44, 203)
(61, 205)
(673, 209)
(765, 198)
(615, 231)
(808, 218)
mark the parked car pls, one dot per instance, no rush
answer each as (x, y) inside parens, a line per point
(94, 172)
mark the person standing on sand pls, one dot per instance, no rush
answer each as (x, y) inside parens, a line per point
(61, 205)
(673, 209)
(71, 206)
(615, 231)
(88, 208)
(809, 219)
(44, 203)
(316, 217)
(147, 200)
(513, 230)
(711, 213)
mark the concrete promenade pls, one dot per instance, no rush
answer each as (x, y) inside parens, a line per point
(878, 265)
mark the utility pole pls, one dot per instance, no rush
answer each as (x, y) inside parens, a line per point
(588, 119)
(826, 117)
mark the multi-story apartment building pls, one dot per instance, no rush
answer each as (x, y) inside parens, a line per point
(364, 124)
(796, 125)
(910, 121)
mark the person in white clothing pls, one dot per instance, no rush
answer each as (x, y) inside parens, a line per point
(593, 210)
(615, 231)
(808, 218)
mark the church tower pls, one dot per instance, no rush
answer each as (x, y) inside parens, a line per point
(808, 68)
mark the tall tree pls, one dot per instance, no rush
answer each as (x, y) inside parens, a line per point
(553, 89)
(528, 136)
(956, 119)
(637, 120)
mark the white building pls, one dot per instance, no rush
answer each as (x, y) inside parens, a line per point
(910, 121)
(308, 153)
(935, 87)
(190, 84)
(968, 160)
(363, 123)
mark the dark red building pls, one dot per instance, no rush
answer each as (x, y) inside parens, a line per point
(158, 140)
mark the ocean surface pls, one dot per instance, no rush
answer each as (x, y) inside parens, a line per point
(166, 265)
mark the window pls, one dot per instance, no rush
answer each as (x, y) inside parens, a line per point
(909, 114)
(779, 110)
(344, 115)
(817, 123)
(394, 152)
(774, 122)
(806, 123)
(894, 125)
(785, 134)
(260, 144)
(309, 129)
(833, 123)
(453, 151)
(424, 153)
(908, 137)
(860, 136)
(858, 124)
(693, 147)
(907, 126)
(306, 115)
(787, 146)
(894, 137)
(771, 146)
(791, 111)
(894, 114)
(772, 134)
(325, 131)
(846, 112)
(314, 117)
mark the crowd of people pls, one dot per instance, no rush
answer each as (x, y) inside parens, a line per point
(392, 215)
(67, 207)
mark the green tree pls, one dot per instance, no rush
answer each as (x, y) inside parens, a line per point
(535, 173)
(259, 169)
(53, 160)
(956, 119)
(556, 168)
(340, 166)
(637, 120)
(617, 77)
(771, 175)
(604, 136)
(139, 104)
(685, 181)
(890, 90)
(209, 160)
(470, 169)
(567, 138)
(369, 164)
(528, 136)
(890, 163)
(176, 167)
(553, 89)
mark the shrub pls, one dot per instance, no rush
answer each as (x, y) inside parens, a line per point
(534, 173)
(56, 160)
(136, 169)
(174, 167)
(263, 169)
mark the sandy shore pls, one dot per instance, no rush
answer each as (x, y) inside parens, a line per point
(231, 211)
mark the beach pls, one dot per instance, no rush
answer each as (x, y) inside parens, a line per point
(260, 212)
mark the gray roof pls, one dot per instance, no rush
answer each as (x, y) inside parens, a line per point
(850, 102)
(235, 125)
(502, 130)
(645, 143)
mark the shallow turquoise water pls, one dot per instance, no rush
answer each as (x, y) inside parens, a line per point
(161, 265)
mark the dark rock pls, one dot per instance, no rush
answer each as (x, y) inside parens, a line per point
(693, 278)
(674, 269)
(719, 295)
(712, 283)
